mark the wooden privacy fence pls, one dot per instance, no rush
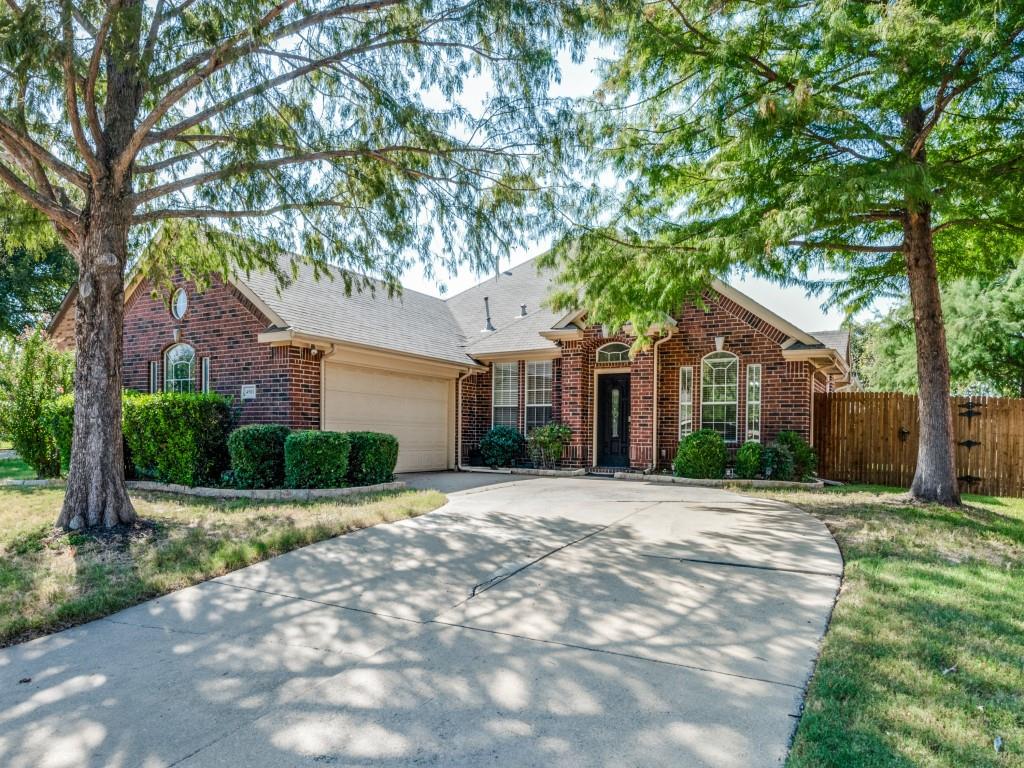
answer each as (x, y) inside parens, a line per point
(871, 437)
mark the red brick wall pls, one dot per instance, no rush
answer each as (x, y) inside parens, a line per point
(223, 325)
(786, 392)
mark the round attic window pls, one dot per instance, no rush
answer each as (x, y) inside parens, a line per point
(179, 303)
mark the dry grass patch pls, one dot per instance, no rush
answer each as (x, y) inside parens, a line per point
(51, 580)
(923, 664)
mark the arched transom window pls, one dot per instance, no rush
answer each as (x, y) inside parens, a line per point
(180, 369)
(615, 352)
(719, 385)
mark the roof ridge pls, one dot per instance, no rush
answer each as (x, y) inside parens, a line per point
(495, 276)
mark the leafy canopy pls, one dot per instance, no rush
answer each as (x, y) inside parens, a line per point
(984, 330)
(779, 137)
(33, 283)
(332, 129)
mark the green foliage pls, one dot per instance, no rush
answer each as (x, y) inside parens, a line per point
(32, 373)
(778, 462)
(501, 446)
(781, 138)
(58, 418)
(372, 459)
(257, 455)
(33, 283)
(984, 330)
(701, 454)
(749, 460)
(546, 444)
(316, 459)
(805, 460)
(177, 437)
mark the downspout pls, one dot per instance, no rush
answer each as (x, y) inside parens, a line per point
(654, 424)
(458, 419)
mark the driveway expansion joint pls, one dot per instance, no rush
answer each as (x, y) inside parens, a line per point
(733, 564)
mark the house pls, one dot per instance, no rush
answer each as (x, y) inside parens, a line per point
(439, 373)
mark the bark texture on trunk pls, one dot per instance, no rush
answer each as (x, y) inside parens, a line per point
(935, 477)
(96, 492)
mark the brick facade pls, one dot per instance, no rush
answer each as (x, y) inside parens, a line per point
(222, 325)
(787, 387)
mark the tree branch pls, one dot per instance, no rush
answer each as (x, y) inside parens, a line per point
(65, 217)
(847, 247)
(71, 99)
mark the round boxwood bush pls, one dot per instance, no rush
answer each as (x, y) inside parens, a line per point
(315, 459)
(749, 460)
(805, 461)
(701, 454)
(257, 455)
(501, 446)
(778, 462)
(372, 458)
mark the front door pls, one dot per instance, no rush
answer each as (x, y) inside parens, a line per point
(613, 420)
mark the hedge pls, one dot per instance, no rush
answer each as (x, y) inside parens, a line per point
(314, 459)
(372, 457)
(501, 446)
(805, 460)
(170, 437)
(749, 460)
(701, 454)
(778, 462)
(257, 455)
(177, 437)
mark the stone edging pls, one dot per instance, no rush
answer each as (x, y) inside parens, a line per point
(548, 472)
(733, 482)
(273, 494)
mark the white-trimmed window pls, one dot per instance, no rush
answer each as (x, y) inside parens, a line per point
(206, 376)
(754, 402)
(615, 352)
(539, 383)
(505, 395)
(180, 369)
(179, 303)
(154, 376)
(685, 401)
(719, 385)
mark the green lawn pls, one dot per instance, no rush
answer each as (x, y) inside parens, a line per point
(15, 469)
(50, 580)
(923, 664)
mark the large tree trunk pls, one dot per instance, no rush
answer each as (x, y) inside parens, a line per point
(96, 492)
(935, 477)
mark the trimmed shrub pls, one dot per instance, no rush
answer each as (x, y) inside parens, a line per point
(58, 419)
(177, 437)
(749, 460)
(315, 459)
(805, 460)
(546, 444)
(32, 373)
(778, 462)
(372, 458)
(257, 455)
(701, 454)
(501, 446)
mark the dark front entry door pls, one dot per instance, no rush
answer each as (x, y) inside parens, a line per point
(613, 420)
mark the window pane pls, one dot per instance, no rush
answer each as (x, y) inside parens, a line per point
(538, 383)
(754, 402)
(685, 401)
(537, 416)
(505, 395)
(180, 369)
(613, 353)
(506, 417)
(719, 394)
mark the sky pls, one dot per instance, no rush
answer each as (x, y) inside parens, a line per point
(578, 80)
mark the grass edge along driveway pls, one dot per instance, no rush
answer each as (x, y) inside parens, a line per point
(923, 662)
(51, 580)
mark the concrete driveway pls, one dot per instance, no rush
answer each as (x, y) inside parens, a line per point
(541, 622)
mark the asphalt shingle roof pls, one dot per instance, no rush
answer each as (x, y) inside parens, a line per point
(839, 340)
(412, 322)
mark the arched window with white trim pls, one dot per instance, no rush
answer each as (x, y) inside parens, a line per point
(719, 388)
(615, 352)
(180, 369)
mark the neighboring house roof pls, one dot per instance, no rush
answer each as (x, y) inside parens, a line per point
(839, 340)
(410, 323)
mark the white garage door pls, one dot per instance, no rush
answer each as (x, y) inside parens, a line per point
(412, 408)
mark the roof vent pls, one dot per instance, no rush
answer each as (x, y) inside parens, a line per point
(522, 310)
(487, 312)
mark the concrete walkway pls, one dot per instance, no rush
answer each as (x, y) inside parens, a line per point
(542, 622)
